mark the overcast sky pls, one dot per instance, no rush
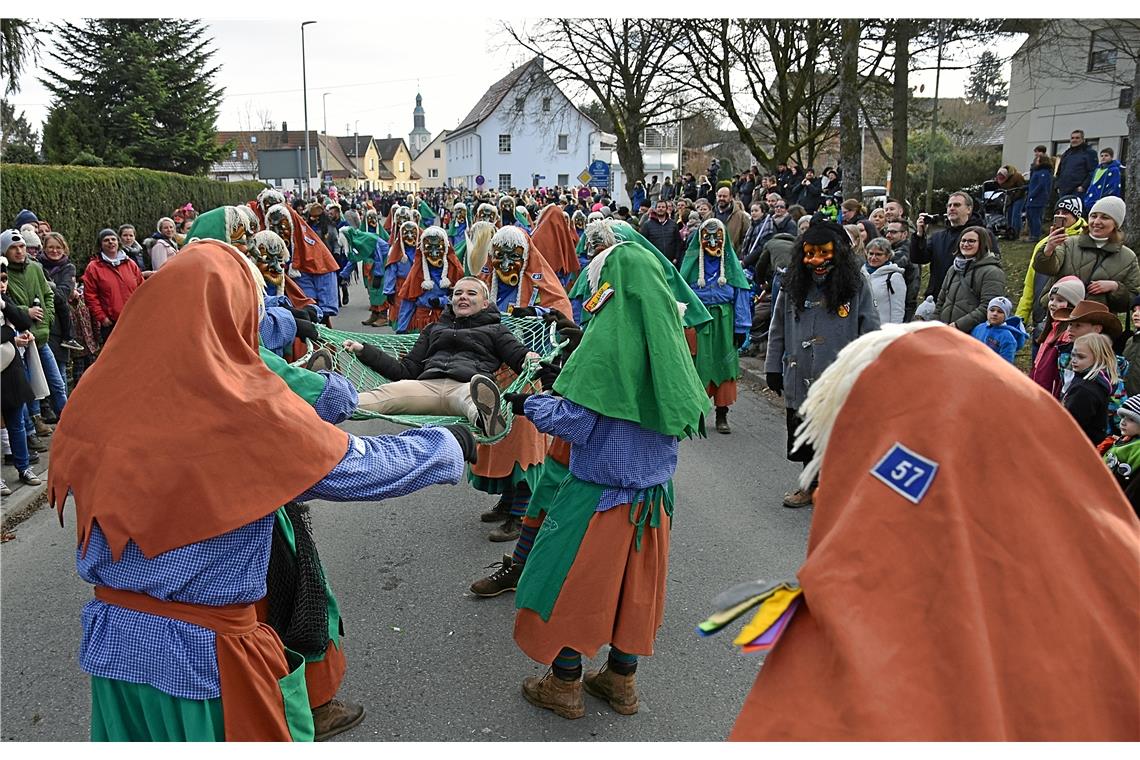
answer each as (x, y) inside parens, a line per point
(372, 67)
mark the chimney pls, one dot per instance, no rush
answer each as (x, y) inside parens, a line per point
(284, 128)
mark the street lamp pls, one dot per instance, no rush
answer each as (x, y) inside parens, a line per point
(305, 92)
(325, 112)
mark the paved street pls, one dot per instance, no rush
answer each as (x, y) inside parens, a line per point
(430, 661)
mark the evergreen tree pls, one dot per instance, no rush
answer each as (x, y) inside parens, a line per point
(134, 92)
(18, 44)
(986, 82)
(19, 143)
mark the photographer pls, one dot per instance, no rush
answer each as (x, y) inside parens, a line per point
(809, 194)
(939, 249)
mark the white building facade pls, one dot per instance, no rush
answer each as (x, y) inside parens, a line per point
(431, 163)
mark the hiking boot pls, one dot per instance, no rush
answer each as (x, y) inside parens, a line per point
(42, 428)
(508, 531)
(485, 395)
(564, 698)
(620, 691)
(35, 444)
(506, 578)
(73, 345)
(28, 478)
(48, 414)
(335, 717)
(373, 318)
(501, 511)
(722, 420)
(321, 359)
(798, 498)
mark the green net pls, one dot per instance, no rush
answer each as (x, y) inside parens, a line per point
(530, 330)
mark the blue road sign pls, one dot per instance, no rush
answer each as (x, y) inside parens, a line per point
(599, 174)
(480, 180)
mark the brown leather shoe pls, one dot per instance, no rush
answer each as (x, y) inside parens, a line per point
(563, 698)
(335, 717)
(43, 429)
(35, 443)
(505, 578)
(508, 531)
(620, 691)
(798, 498)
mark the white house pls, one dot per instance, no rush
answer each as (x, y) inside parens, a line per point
(522, 128)
(1059, 83)
(431, 162)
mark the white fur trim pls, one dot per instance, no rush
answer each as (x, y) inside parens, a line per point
(594, 270)
(829, 393)
(682, 307)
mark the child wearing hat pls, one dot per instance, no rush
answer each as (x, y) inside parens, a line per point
(1054, 339)
(1131, 351)
(1122, 452)
(1001, 331)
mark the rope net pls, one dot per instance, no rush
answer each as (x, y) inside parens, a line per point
(529, 330)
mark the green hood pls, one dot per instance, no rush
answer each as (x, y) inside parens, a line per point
(427, 216)
(211, 225)
(633, 362)
(363, 244)
(690, 270)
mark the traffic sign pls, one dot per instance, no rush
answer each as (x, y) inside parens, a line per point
(480, 180)
(584, 177)
(599, 174)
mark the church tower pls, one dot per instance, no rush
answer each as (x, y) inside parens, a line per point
(419, 137)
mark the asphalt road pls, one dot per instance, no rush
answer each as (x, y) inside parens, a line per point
(430, 661)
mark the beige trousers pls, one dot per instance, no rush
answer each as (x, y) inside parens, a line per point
(440, 397)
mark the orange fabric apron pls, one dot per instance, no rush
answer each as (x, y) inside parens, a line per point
(251, 661)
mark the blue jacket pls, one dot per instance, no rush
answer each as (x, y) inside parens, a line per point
(1006, 339)
(1077, 165)
(1107, 184)
(1040, 187)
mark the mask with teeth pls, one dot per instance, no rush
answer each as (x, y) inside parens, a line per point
(271, 256)
(508, 261)
(409, 233)
(507, 209)
(712, 240)
(434, 249)
(487, 213)
(820, 259)
(278, 219)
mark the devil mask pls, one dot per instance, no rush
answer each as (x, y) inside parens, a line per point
(271, 256)
(712, 238)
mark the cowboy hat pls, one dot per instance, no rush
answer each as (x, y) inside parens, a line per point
(1098, 314)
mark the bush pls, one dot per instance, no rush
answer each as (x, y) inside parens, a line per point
(80, 201)
(83, 158)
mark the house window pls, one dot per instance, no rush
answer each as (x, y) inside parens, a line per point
(253, 139)
(433, 173)
(1125, 98)
(504, 183)
(402, 165)
(245, 155)
(1102, 54)
(519, 103)
(546, 104)
(233, 154)
(371, 164)
(504, 143)
(436, 151)
(563, 143)
(564, 180)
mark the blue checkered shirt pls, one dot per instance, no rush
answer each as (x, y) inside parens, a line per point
(277, 328)
(179, 658)
(604, 450)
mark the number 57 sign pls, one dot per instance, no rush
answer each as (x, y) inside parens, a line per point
(906, 473)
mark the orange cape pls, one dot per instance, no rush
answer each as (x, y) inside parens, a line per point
(555, 237)
(1003, 605)
(310, 254)
(180, 432)
(413, 286)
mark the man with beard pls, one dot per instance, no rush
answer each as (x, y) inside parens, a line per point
(732, 215)
(940, 248)
(824, 304)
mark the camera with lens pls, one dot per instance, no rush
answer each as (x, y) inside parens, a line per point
(934, 219)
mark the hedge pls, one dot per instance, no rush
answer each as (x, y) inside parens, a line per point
(79, 201)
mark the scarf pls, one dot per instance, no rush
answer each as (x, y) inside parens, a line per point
(960, 263)
(115, 261)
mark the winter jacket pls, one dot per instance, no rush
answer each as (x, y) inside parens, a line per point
(785, 224)
(26, 283)
(1006, 339)
(62, 277)
(912, 273)
(736, 221)
(776, 256)
(139, 255)
(665, 236)
(938, 250)
(749, 250)
(888, 288)
(455, 348)
(1132, 354)
(637, 199)
(15, 390)
(810, 196)
(161, 250)
(1087, 401)
(667, 191)
(1040, 187)
(1032, 305)
(812, 339)
(106, 287)
(1075, 169)
(1046, 370)
(1080, 256)
(1105, 182)
(964, 296)
(1123, 461)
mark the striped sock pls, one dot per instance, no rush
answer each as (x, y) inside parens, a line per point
(520, 500)
(621, 663)
(530, 526)
(567, 666)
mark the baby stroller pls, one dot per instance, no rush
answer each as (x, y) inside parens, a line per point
(997, 206)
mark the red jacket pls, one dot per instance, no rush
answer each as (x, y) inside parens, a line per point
(106, 288)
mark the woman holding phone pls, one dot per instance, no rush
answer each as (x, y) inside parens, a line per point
(1031, 307)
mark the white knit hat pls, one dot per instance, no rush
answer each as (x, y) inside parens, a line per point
(1112, 206)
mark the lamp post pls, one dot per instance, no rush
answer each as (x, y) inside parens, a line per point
(305, 94)
(356, 146)
(325, 143)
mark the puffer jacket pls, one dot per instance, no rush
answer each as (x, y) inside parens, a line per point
(939, 249)
(964, 296)
(813, 339)
(26, 283)
(888, 287)
(1032, 306)
(106, 287)
(1080, 256)
(456, 348)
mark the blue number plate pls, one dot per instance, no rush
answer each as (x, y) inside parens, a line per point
(906, 473)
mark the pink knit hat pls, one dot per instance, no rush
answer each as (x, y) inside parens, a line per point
(1070, 288)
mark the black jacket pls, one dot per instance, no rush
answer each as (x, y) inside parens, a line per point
(810, 196)
(1087, 401)
(1075, 169)
(455, 348)
(665, 236)
(15, 390)
(938, 250)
